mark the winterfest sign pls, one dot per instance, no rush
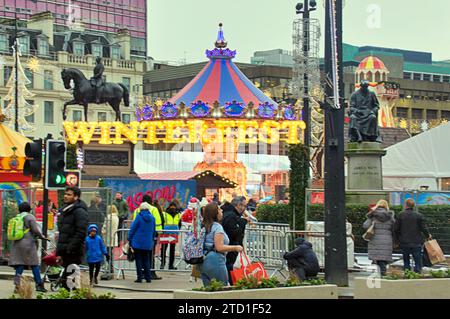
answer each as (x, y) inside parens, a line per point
(186, 131)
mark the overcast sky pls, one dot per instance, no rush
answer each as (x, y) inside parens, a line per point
(181, 29)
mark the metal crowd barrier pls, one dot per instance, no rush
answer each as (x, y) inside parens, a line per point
(121, 263)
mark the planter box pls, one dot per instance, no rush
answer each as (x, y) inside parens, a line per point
(435, 288)
(305, 292)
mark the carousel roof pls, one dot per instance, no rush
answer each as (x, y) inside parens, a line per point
(372, 63)
(11, 139)
(221, 80)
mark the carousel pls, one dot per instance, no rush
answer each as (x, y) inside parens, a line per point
(220, 109)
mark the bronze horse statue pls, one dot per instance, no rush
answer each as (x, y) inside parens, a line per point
(84, 92)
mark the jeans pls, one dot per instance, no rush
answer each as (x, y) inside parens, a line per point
(416, 252)
(214, 267)
(36, 274)
(143, 264)
(92, 267)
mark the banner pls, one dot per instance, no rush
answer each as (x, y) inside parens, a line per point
(165, 191)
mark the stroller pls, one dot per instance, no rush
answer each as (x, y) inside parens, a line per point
(54, 272)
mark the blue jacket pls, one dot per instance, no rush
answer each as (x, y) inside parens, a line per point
(95, 249)
(142, 231)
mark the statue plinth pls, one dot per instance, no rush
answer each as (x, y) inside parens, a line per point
(365, 172)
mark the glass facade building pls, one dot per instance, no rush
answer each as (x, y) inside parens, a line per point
(101, 15)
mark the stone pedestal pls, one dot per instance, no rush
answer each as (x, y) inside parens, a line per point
(364, 172)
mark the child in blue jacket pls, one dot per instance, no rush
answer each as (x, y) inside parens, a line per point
(95, 249)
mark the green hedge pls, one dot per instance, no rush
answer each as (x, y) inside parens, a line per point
(437, 219)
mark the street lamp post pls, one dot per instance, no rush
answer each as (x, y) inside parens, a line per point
(16, 79)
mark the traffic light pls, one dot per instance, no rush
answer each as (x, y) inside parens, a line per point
(55, 176)
(33, 163)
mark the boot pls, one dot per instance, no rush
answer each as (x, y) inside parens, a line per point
(40, 288)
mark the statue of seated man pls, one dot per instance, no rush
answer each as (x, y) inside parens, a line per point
(363, 114)
(97, 79)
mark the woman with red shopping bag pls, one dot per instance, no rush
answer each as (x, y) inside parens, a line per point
(216, 246)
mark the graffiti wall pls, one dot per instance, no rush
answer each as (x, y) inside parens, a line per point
(133, 190)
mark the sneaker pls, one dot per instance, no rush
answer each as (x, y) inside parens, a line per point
(41, 288)
(149, 280)
(173, 268)
(138, 280)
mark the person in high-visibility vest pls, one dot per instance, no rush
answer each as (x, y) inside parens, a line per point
(172, 221)
(159, 224)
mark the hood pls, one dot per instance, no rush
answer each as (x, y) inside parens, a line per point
(73, 206)
(301, 241)
(227, 207)
(92, 226)
(382, 215)
(145, 215)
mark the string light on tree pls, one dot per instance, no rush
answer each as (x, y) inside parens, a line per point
(34, 64)
(24, 108)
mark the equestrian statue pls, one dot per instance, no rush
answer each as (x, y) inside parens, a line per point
(94, 90)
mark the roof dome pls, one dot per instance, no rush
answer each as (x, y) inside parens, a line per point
(372, 63)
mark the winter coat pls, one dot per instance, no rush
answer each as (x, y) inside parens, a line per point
(303, 256)
(96, 215)
(409, 227)
(24, 251)
(95, 249)
(142, 231)
(380, 246)
(234, 226)
(109, 230)
(122, 208)
(72, 227)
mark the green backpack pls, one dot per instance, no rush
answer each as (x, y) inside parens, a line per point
(16, 227)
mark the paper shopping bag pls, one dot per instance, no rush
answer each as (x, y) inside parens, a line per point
(255, 270)
(434, 251)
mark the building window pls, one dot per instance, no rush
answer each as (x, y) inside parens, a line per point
(115, 52)
(3, 42)
(43, 46)
(78, 48)
(436, 78)
(76, 115)
(97, 50)
(417, 114)
(30, 118)
(30, 77)
(48, 80)
(431, 114)
(407, 75)
(48, 112)
(24, 45)
(427, 77)
(446, 78)
(127, 83)
(6, 74)
(445, 115)
(417, 76)
(402, 112)
(126, 118)
(101, 116)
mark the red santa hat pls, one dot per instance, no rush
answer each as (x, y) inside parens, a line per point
(193, 203)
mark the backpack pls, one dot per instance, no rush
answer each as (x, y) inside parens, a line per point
(193, 247)
(16, 227)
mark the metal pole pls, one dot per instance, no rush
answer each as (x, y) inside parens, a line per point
(16, 80)
(335, 220)
(306, 113)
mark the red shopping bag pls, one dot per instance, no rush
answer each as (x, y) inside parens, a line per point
(248, 269)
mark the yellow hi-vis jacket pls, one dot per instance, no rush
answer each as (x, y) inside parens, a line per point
(170, 222)
(154, 211)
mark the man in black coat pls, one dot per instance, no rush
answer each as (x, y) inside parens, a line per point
(234, 222)
(72, 227)
(410, 230)
(303, 260)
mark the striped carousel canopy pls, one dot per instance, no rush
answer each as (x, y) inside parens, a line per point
(372, 63)
(221, 80)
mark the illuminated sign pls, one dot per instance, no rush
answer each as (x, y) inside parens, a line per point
(186, 131)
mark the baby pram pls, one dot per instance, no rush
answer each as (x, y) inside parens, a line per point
(54, 271)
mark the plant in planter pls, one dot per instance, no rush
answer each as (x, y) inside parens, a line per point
(214, 285)
(440, 273)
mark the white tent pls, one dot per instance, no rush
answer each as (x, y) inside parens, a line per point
(422, 160)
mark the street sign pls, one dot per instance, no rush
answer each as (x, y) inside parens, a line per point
(73, 178)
